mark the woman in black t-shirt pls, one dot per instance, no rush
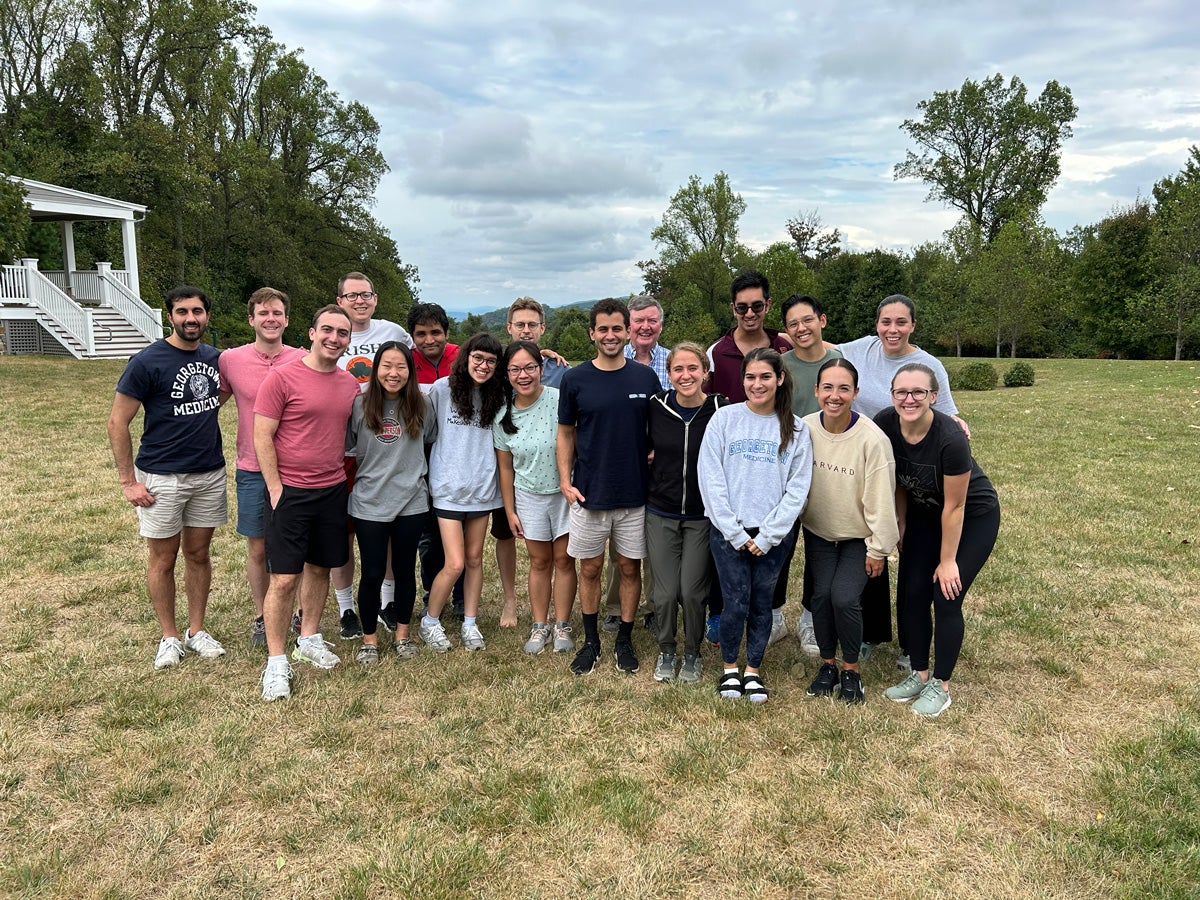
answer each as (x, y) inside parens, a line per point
(949, 517)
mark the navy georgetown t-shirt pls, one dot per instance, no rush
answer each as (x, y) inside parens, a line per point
(608, 410)
(178, 390)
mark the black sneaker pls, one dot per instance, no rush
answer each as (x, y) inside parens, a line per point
(649, 621)
(388, 618)
(585, 659)
(612, 624)
(350, 627)
(851, 688)
(627, 660)
(825, 682)
(258, 632)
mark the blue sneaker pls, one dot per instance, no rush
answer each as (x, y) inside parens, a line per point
(712, 629)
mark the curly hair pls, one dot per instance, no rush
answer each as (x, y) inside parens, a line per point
(462, 385)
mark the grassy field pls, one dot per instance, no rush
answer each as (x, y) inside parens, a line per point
(1069, 765)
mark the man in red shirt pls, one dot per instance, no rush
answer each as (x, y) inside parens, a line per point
(751, 294)
(430, 329)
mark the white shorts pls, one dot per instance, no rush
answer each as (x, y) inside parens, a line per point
(591, 528)
(544, 517)
(183, 500)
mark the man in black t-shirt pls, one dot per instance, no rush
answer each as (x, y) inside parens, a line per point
(178, 486)
(602, 472)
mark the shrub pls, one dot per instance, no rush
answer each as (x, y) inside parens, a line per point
(976, 376)
(1020, 375)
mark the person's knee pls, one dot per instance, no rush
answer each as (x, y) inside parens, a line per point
(629, 568)
(540, 563)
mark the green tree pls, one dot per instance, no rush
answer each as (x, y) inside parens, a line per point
(788, 273)
(1172, 305)
(687, 319)
(569, 334)
(988, 151)
(14, 220)
(815, 244)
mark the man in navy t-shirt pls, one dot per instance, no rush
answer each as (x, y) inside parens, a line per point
(602, 472)
(178, 483)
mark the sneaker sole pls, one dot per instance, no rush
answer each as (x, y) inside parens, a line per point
(933, 715)
(819, 694)
(632, 671)
(900, 699)
(663, 679)
(579, 673)
(322, 667)
(565, 648)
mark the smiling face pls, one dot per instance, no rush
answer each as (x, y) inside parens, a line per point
(750, 307)
(913, 396)
(481, 366)
(392, 373)
(524, 374)
(526, 325)
(188, 319)
(760, 384)
(645, 327)
(609, 334)
(835, 392)
(804, 326)
(360, 308)
(430, 339)
(687, 373)
(330, 337)
(269, 320)
(894, 326)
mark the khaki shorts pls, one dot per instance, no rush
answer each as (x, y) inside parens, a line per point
(591, 528)
(183, 500)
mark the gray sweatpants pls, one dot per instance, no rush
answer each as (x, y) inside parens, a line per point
(681, 570)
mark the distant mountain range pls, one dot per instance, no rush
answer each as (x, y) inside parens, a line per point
(493, 316)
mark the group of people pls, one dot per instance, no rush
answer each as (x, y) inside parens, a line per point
(694, 471)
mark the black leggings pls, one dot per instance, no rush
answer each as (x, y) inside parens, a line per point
(918, 561)
(404, 533)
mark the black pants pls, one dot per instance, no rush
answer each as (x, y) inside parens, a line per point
(918, 561)
(404, 533)
(839, 574)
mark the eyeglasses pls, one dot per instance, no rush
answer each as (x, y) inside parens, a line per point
(756, 307)
(358, 295)
(527, 369)
(805, 322)
(483, 362)
(918, 394)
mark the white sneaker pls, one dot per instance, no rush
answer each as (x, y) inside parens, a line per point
(808, 639)
(314, 650)
(277, 683)
(563, 642)
(472, 638)
(538, 636)
(778, 630)
(435, 637)
(170, 652)
(203, 644)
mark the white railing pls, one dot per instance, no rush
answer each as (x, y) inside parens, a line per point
(59, 308)
(12, 283)
(84, 285)
(115, 292)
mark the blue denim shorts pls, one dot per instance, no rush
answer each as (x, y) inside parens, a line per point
(251, 495)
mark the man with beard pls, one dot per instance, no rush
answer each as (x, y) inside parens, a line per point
(178, 484)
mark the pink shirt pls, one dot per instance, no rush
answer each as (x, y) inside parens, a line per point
(242, 371)
(312, 409)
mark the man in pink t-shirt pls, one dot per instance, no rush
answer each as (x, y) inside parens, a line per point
(300, 418)
(242, 372)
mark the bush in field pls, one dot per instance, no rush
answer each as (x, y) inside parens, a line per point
(976, 376)
(1020, 375)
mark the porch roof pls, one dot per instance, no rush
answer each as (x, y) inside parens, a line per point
(54, 203)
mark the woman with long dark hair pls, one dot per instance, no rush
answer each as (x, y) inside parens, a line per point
(755, 467)
(463, 482)
(389, 427)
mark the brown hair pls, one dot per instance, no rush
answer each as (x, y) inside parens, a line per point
(266, 295)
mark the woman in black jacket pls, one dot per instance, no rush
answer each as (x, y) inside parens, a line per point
(676, 527)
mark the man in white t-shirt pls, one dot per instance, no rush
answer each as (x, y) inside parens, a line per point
(356, 295)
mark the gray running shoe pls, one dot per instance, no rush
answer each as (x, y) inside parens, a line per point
(909, 689)
(170, 652)
(865, 649)
(934, 699)
(664, 669)
(315, 651)
(778, 630)
(538, 637)
(472, 638)
(690, 671)
(258, 632)
(808, 639)
(612, 624)
(434, 637)
(203, 644)
(406, 649)
(563, 642)
(904, 662)
(277, 683)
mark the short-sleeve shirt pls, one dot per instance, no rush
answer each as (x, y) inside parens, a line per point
(922, 467)
(534, 464)
(804, 381)
(242, 372)
(876, 370)
(608, 411)
(312, 409)
(726, 359)
(179, 392)
(390, 479)
(553, 372)
(359, 357)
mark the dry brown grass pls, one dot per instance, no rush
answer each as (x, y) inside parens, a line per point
(496, 774)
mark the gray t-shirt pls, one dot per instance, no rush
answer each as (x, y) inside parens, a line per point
(462, 464)
(804, 381)
(876, 369)
(391, 465)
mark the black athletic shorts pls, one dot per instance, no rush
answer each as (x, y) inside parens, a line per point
(308, 526)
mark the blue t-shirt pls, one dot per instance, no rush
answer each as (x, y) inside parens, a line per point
(608, 410)
(178, 390)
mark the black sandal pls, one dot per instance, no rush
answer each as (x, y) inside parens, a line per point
(730, 686)
(753, 689)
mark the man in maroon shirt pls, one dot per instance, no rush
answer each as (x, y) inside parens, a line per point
(751, 293)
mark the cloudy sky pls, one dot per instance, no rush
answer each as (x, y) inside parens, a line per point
(534, 145)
